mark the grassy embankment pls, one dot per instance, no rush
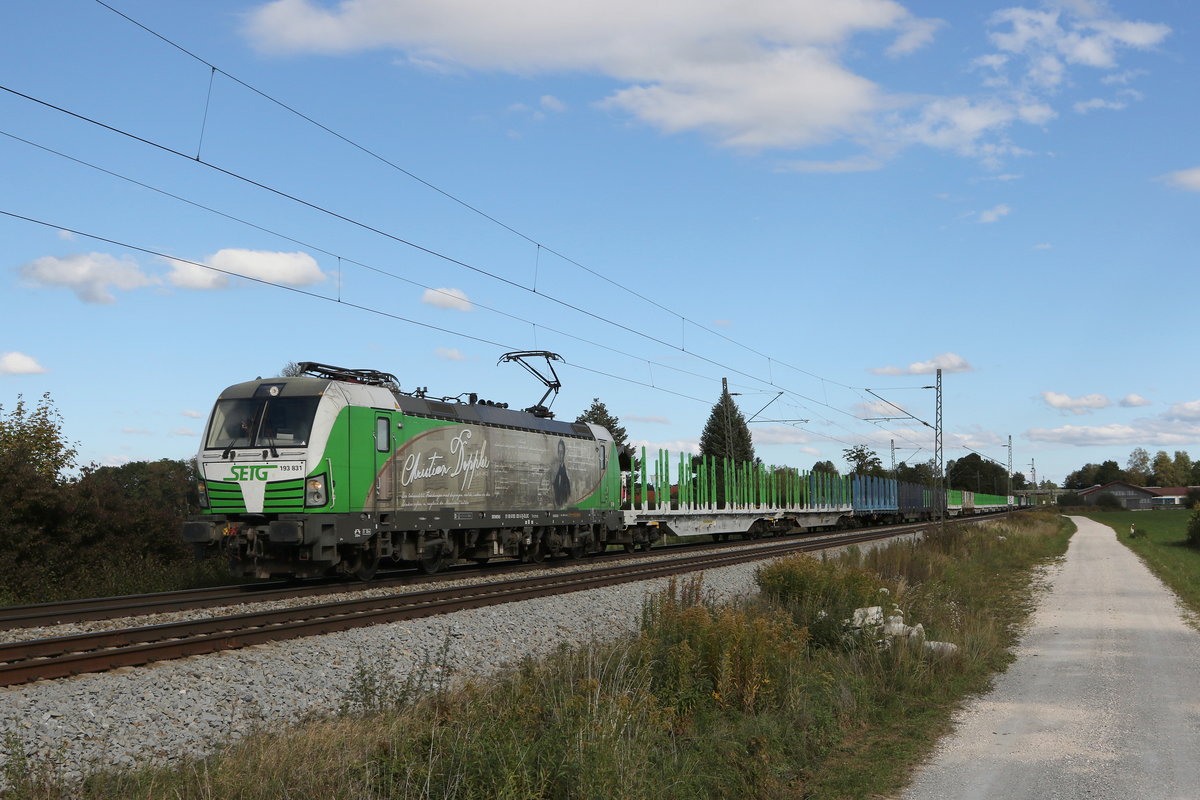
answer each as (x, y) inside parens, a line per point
(769, 698)
(1162, 544)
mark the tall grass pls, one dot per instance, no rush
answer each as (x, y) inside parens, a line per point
(766, 698)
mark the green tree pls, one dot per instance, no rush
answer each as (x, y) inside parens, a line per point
(1183, 467)
(825, 466)
(1164, 470)
(726, 434)
(1019, 481)
(1109, 471)
(918, 473)
(975, 474)
(291, 370)
(37, 516)
(1137, 468)
(1083, 477)
(35, 437)
(598, 414)
(863, 460)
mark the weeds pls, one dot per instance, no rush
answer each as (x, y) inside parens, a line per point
(764, 698)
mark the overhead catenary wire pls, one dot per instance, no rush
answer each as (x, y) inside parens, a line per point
(454, 198)
(684, 321)
(401, 240)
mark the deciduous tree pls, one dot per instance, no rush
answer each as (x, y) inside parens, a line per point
(863, 460)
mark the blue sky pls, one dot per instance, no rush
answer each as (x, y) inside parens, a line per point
(812, 198)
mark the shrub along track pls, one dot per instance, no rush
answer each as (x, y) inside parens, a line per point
(31, 660)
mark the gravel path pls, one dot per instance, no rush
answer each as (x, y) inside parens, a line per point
(1101, 702)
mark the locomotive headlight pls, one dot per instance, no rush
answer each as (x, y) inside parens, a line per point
(202, 493)
(314, 491)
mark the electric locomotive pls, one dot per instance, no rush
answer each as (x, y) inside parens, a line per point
(337, 471)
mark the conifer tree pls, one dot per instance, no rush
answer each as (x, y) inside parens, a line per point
(598, 414)
(726, 434)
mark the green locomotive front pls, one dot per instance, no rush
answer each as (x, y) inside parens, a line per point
(338, 471)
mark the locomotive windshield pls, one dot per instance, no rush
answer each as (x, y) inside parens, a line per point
(262, 422)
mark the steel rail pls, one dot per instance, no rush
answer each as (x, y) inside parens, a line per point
(96, 652)
(42, 615)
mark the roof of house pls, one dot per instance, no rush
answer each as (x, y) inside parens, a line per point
(1170, 491)
(1122, 484)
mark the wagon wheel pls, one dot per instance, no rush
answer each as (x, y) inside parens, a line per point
(577, 550)
(536, 552)
(630, 547)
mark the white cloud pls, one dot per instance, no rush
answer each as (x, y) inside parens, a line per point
(1043, 246)
(184, 432)
(1084, 404)
(454, 299)
(1152, 433)
(1075, 34)
(677, 446)
(724, 323)
(1084, 106)
(449, 354)
(289, 269)
(779, 434)
(66, 236)
(1184, 179)
(649, 420)
(916, 33)
(877, 408)
(192, 413)
(552, 103)
(1177, 427)
(136, 431)
(993, 214)
(763, 75)
(89, 275)
(1134, 401)
(15, 363)
(1184, 411)
(947, 362)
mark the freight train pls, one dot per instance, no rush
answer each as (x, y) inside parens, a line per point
(338, 471)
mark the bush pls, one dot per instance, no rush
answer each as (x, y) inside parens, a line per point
(107, 530)
(1193, 528)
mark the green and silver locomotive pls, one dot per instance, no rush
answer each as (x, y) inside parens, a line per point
(336, 471)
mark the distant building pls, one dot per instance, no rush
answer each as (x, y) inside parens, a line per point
(1138, 498)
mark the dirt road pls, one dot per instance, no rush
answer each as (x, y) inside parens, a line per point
(1102, 702)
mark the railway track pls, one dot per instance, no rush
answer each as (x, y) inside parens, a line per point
(25, 661)
(43, 615)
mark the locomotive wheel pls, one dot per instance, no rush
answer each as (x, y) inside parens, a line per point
(366, 560)
(630, 547)
(432, 564)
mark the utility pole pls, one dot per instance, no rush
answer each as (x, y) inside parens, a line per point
(939, 458)
(1010, 465)
(893, 458)
(1033, 472)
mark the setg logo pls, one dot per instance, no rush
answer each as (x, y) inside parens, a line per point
(256, 472)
